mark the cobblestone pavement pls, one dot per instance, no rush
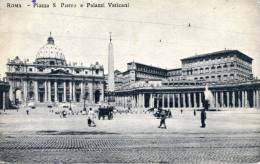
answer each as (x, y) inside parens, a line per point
(45, 138)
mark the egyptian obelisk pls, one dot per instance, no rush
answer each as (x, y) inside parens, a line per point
(111, 77)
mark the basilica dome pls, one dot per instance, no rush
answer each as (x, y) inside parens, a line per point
(50, 54)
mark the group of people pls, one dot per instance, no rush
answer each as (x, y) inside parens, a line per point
(203, 116)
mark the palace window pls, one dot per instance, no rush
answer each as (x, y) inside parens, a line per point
(201, 70)
(219, 68)
(207, 70)
(97, 71)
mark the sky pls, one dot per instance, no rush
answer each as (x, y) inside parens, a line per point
(153, 32)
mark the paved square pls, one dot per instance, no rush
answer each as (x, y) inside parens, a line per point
(42, 137)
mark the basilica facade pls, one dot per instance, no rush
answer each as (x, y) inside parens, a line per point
(51, 79)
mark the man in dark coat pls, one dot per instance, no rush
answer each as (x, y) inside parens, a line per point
(163, 118)
(203, 118)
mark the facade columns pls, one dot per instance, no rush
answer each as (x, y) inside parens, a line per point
(49, 91)
(82, 91)
(55, 91)
(64, 92)
(73, 91)
(25, 94)
(45, 91)
(36, 91)
(70, 85)
(11, 92)
(102, 92)
(90, 87)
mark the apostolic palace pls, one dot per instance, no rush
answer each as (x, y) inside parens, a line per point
(226, 74)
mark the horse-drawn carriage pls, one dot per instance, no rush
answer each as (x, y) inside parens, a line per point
(105, 112)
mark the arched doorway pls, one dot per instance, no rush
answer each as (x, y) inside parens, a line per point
(97, 96)
(18, 96)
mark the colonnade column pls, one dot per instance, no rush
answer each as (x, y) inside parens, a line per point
(246, 99)
(168, 101)
(184, 100)
(162, 100)
(238, 97)
(227, 95)
(200, 99)
(36, 90)
(4, 103)
(189, 100)
(216, 100)
(173, 100)
(243, 99)
(64, 92)
(257, 98)
(222, 99)
(195, 100)
(233, 99)
(150, 101)
(179, 100)
(55, 91)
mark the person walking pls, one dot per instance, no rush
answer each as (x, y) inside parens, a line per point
(194, 112)
(203, 117)
(163, 118)
(91, 117)
(27, 111)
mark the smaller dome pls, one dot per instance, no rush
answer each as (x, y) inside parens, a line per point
(50, 54)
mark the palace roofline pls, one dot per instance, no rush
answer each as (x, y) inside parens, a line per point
(219, 53)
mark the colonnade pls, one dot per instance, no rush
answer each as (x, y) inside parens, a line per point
(194, 99)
